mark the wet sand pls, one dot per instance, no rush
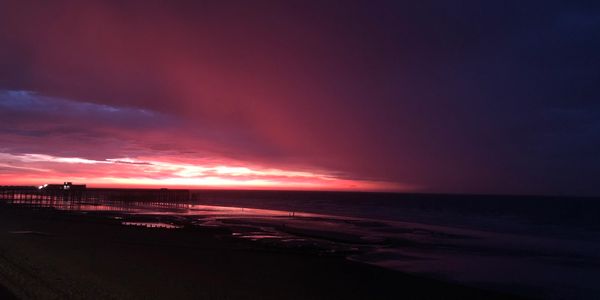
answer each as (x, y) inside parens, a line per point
(6, 294)
(46, 254)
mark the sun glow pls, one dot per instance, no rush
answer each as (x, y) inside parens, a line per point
(174, 172)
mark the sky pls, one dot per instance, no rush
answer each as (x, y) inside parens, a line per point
(410, 96)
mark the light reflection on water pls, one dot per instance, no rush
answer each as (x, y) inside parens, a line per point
(551, 267)
(152, 225)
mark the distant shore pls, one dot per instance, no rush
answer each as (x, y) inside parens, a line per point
(46, 254)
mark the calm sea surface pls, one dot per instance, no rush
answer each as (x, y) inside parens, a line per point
(542, 247)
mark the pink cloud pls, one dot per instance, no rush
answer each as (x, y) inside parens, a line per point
(37, 169)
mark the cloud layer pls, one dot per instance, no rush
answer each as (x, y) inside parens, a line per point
(50, 139)
(463, 97)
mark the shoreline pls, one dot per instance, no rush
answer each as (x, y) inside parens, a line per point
(48, 254)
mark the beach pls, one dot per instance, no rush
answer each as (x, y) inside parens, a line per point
(47, 254)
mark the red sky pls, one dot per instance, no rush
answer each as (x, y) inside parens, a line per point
(355, 95)
(175, 87)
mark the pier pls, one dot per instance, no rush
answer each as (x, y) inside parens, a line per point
(92, 195)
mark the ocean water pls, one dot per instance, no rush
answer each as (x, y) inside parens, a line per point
(541, 247)
(538, 247)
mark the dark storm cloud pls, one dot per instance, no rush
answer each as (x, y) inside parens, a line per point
(461, 96)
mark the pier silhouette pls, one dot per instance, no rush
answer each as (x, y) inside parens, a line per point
(68, 192)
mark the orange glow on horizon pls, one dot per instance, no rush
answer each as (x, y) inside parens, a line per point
(36, 169)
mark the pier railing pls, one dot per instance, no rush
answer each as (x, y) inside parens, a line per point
(16, 193)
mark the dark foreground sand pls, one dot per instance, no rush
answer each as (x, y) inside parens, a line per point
(58, 255)
(5, 293)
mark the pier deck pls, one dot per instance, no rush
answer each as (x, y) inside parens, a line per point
(31, 193)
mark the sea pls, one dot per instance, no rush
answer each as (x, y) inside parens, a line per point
(533, 246)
